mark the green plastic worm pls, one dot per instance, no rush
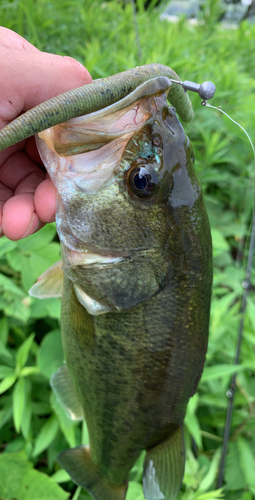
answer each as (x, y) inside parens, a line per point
(90, 98)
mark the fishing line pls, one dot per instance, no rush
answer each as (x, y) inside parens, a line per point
(206, 91)
(246, 287)
(218, 108)
(205, 103)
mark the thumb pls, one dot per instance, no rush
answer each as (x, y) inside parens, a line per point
(29, 76)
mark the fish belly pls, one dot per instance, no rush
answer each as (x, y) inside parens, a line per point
(135, 371)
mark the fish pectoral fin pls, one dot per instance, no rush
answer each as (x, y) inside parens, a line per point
(64, 388)
(49, 284)
(164, 468)
(77, 462)
(93, 307)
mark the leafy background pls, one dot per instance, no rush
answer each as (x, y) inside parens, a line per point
(33, 426)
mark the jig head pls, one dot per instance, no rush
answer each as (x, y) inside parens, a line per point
(206, 90)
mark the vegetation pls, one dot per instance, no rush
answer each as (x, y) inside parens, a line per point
(33, 426)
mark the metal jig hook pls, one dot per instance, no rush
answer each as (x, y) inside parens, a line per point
(206, 90)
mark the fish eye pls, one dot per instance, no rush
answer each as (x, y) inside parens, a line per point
(141, 181)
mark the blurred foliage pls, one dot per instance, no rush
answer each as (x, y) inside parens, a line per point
(33, 426)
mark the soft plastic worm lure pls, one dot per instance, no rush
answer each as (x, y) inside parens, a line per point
(98, 95)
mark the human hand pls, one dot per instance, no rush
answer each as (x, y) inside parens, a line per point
(28, 77)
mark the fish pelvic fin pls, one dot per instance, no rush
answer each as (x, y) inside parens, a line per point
(49, 284)
(77, 462)
(64, 388)
(164, 468)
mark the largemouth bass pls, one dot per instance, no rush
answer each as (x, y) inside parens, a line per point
(135, 280)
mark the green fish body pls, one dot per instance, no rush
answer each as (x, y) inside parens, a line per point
(136, 251)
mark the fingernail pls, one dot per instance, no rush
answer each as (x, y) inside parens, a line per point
(33, 226)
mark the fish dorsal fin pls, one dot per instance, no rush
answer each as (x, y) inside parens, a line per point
(93, 307)
(164, 468)
(49, 284)
(65, 391)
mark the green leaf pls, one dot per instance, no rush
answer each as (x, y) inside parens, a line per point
(135, 491)
(4, 329)
(17, 444)
(5, 371)
(13, 467)
(44, 258)
(220, 245)
(77, 493)
(136, 473)
(251, 312)
(234, 476)
(246, 496)
(191, 420)
(27, 410)
(38, 240)
(6, 413)
(6, 245)
(14, 259)
(28, 370)
(6, 355)
(18, 402)
(51, 355)
(192, 423)
(211, 475)
(46, 435)
(7, 285)
(61, 476)
(42, 308)
(27, 274)
(83, 495)
(19, 481)
(211, 495)
(66, 424)
(84, 434)
(16, 308)
(23, 351)
(247, 462)
(218, 371)
(7, 382)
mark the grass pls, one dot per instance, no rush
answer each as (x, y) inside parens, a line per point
(101, 35)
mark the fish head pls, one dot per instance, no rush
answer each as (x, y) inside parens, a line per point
(122, 176)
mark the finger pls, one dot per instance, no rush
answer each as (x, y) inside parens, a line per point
(5, 194)
(10, 38)
(29, 77)
(45, 201)
(19, 217)
(32, 152)
(17, 169)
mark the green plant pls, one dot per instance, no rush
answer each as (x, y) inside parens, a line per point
(33, 427)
